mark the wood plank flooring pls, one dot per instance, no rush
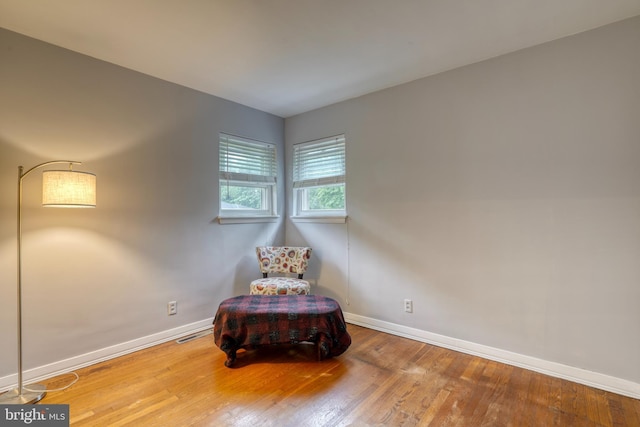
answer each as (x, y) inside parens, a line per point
(382, 380)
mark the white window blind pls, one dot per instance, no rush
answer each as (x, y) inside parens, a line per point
(246, 160)
(319, 163)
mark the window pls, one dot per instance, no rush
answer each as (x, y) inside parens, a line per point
(319, 178)
(247, 178)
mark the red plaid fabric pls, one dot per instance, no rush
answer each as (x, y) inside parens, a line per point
(252, 320)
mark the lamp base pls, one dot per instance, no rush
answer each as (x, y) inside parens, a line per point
(13, 397)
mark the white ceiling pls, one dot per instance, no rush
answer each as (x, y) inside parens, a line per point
(291, 56)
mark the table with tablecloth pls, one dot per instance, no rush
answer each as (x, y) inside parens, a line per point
(250, 321)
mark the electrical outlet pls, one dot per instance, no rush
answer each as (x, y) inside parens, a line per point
(172, 308)
(408, 306)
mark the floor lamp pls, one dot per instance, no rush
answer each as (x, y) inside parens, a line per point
(60, 188)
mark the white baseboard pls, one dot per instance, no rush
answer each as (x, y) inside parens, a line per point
(77, 362)
(581, 376)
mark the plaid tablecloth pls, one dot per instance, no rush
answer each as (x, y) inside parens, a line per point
(249, 321)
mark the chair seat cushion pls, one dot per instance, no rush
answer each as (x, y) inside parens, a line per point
(279, 286)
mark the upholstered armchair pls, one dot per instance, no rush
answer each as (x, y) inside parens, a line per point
(282, 260)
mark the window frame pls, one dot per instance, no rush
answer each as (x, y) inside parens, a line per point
(315, 177)
(243, 172)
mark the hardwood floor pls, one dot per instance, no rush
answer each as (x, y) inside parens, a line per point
(382, 380)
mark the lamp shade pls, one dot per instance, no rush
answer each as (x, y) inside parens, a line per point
(68, 189)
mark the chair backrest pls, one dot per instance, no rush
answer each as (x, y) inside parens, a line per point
(283, 259)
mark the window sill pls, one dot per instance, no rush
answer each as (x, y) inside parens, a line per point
(246, 219)
(327, 219)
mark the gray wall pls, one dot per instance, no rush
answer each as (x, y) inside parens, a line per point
(101, 277)
(503, 198)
